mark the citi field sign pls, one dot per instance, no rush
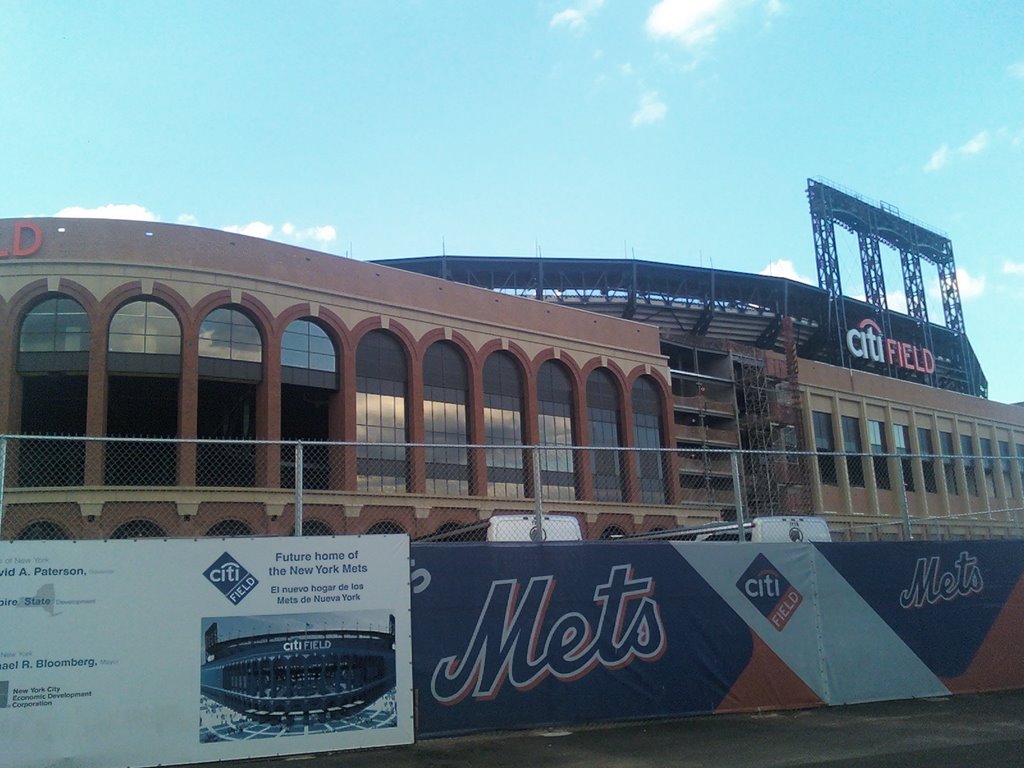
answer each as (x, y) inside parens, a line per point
(867, 342)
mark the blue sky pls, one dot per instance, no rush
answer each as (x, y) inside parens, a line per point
(680, 131)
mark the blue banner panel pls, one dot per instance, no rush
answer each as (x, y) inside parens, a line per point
(513, 635)
(940, 598)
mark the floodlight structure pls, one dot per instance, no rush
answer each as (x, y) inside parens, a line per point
(877, 224)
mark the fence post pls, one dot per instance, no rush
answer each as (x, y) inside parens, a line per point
(298, 488)
(3, 479)
(538, 510)
(737, 495)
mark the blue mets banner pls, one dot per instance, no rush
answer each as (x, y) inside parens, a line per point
(516, 636)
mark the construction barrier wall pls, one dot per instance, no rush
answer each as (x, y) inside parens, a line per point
(522, 635)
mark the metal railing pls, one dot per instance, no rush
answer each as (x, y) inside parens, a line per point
(106, 487)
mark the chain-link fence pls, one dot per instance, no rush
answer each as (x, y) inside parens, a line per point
(73, 487)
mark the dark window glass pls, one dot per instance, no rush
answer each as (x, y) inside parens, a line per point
(948, 451)
(879, 445)
(380, 413)
(1006, 465)
(503, 426)
(968, 453)
(554, 405)
(901, 438)
(58, 324)
(144, 327)
(445, 393)
(647, 436)
(306, 345)
(229, 528)
(825, 445)
(853, 449)
(227, 334)
(927, 451)
(988, 465)
(603, 423)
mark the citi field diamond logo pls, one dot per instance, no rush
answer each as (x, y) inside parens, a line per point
(227, 575)
(770, 592)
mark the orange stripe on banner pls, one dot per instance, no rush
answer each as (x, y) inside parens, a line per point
(767, 683)
(998, 665)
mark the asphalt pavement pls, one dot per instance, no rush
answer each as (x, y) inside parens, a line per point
(975, 731)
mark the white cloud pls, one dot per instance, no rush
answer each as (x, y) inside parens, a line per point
(976, 144)
(319, 235)
(1016, 70)
(970, 287)
(575, 19)
(651, 109)
(785, 268)
(938, 159)
(253, 229)
(690, 22)
(128, 211)
(187, 218)
(1013, 268)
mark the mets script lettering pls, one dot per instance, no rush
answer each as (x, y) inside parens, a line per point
(509, 642)
(932, 585)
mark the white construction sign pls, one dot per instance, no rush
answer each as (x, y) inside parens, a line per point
(138, 653)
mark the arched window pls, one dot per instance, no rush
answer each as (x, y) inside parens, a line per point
(316, 528)
(556, 428)
(144, 327)
(385, 526)
(647, 436)
(138, 529)
(143, 364)
(446, 429)
(307, 350)
(381, 378)
(230, 369)
(229, 527)
(42, 530)
(309, 379)
(227, 334)
(53, 360)
(503, 425)
(613, 532)
(56, 324)
(603, 422)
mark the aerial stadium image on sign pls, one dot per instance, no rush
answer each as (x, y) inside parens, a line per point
(296, 674)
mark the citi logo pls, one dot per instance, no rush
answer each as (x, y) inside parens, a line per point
(306, 645)
(770, 592)
(867, 342)
(228, 575)
(763, 585)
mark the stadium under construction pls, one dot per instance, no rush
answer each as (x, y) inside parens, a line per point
(393, 372)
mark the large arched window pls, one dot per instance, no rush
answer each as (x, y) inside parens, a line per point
(143, 365)
(381, 376)
(144, 327)
(309, 379)
(554, 404)
(230, 369)
(603, 423)
(446, 430)
(503, 425)
(227, 334)
(57, 324)
(53, 360)
(647, 436)
(307, 350)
